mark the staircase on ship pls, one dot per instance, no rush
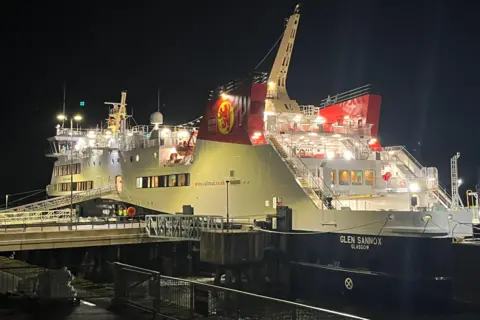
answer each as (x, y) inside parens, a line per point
(313, 186)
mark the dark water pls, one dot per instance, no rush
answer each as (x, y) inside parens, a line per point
(85, 310)
(375, 311)
(90, 310)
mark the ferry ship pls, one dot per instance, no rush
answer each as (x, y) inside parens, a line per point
(366, 217)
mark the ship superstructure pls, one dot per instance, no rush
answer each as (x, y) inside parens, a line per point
(324, 161)
(255, 149)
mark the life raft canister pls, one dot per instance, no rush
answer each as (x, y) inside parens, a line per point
(131, 211)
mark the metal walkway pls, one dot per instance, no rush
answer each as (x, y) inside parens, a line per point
(64, 201)
(182, 227)
(31, 217)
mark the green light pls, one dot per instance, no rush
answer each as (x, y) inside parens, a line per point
(82, 103)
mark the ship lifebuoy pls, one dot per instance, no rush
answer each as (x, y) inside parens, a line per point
(402, 183)
(131, 211)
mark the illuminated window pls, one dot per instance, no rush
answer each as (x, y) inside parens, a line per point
(172, 180)
(137, 157)
(183, 180)
(356, 176)
(138, 182)
(154, 182)
(333, 177)
(344, 177)
(369, 177)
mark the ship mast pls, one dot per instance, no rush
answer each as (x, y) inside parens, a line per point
(277, 96)
(118, 115)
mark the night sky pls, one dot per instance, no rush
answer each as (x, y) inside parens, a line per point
(421, 56)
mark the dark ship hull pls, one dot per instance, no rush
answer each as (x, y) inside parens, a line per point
(371, 267)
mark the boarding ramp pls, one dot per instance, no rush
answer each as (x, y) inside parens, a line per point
(64, 201)
(36, 217)
(181, 227)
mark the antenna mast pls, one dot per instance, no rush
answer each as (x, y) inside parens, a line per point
(456, 200)
(64, 100)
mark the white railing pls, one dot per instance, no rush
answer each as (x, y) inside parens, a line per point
(409, 161)
(359, 148)
(185, 227)
(29, 217)
(66, 200)
(315, 184)
(309, 110)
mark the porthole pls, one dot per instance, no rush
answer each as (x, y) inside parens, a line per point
(155, 155)
(113, 161)
(94, 163)
(138, 157)
(131, 158)
(118, 160)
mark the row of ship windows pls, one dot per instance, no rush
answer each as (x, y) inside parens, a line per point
(64, 170)
(77, 186)
(353, 177)
(171, 180)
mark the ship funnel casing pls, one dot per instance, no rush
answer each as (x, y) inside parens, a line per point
(156, 118)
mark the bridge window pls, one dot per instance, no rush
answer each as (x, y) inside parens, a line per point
(369, 177)
(356, 176)
(172, 180)
(344, 177)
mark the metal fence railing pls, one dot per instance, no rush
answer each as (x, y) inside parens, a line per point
(174, 298)
(89, 223)
(44, 284)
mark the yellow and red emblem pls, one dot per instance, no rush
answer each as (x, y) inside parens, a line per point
(225, 117)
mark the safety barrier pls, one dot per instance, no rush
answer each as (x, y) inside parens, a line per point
(174, 298)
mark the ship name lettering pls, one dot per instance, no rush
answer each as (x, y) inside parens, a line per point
(347, 239)
(376, 241)
(361, 242)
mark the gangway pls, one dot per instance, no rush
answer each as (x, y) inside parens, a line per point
(30, 217)
(181, 227)
(64, 201)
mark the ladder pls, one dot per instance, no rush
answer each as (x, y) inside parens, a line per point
(411, 168)
(456, 201)
(64, 201)
(313, 186)
(360, 149)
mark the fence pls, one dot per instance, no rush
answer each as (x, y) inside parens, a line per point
(77, 224)
(174, 298)
(22, 280)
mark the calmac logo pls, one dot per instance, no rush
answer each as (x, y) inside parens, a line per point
(225, 117)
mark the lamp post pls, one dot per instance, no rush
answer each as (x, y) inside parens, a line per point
(228, 211)
(77, 118)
